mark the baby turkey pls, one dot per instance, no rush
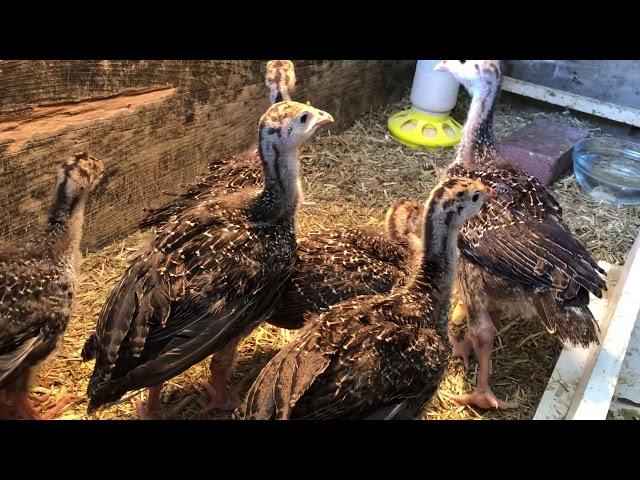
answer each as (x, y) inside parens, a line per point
(213, 272)
(379, 356)
(38, 284)
(331, 266)
(518, 253)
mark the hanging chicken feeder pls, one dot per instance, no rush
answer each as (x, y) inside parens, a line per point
(427, 123)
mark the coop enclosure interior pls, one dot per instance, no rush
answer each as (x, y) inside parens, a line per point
(157, 124)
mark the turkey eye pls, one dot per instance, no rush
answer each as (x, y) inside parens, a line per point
(475, 197)
(303, 118)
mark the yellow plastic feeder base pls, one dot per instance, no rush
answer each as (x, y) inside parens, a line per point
(416, 129)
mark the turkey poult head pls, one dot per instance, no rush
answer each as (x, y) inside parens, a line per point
(280, 79)
(282, 131)
(455, 200)
(76, 178)
(80, 174)
(287, 125)
(404, 218)
(472, 74)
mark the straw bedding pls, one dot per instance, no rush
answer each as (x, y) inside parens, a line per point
(349, 180)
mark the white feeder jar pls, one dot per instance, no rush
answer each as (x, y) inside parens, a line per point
(427, 123)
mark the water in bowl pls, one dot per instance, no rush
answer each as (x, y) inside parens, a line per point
(609, 175)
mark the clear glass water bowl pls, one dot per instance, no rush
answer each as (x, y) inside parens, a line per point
(608, 170)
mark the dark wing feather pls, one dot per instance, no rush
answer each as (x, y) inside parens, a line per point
(379, 366)
(13, 359)
(333, 266)
(124, 322)
(35, 300)
(346, 364)
(225, 176)
(202, 333)
(287, 376)
(520, 236)
(210, 275)
(90, 348)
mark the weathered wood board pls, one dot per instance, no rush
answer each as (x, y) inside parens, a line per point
(597, 387)
(156, 124)
(573, 361)
(602, 381)
(614, 81)
(580, 103)
(626, 398)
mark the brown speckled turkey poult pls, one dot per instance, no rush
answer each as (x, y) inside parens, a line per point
(331, 266)
(377, 356)
(239, 171)
(334, 265)
(38, 284)
(213, 272)
(519, 256)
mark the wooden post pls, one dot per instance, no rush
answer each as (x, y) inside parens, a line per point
(593, 399)
(572, 363)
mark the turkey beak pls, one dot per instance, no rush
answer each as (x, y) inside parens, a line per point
(492, 192)
(441, 67)
(325, 119)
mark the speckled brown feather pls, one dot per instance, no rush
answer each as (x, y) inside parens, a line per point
(213, 272)
(373, 356)
(332, 266)
(351, 361)
(336, 265)
(37, 279)
(519, 244)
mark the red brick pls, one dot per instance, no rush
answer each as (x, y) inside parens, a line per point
(542, 148)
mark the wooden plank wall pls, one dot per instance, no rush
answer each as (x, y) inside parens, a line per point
(615, 81)
(156, 124)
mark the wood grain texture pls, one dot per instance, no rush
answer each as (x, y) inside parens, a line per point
(156, 125)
